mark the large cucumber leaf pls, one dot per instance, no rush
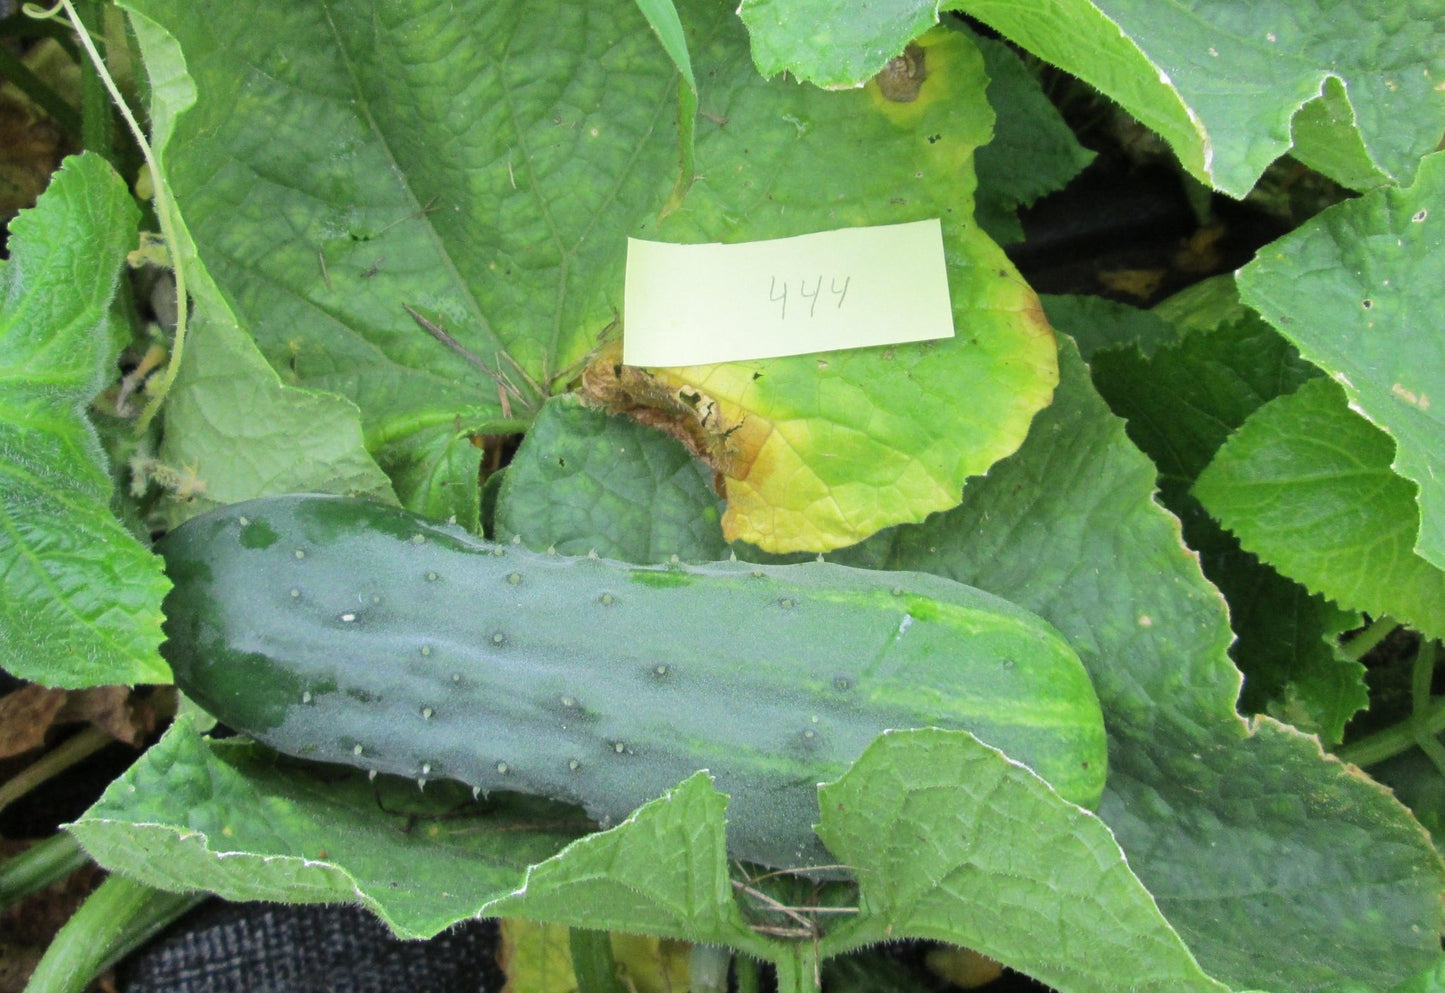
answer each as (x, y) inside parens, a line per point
(434, 227)
(225, 817)
(1355, 290)
(80, 596)
(920, 816)
(1181, 403)
(1230, 86)
(1268, 857)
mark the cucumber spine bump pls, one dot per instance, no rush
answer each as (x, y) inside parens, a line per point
(349, 631)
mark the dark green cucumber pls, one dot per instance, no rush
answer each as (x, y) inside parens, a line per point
(349, 631)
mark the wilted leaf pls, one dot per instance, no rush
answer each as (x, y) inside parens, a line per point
(26, 715)
(536, 958)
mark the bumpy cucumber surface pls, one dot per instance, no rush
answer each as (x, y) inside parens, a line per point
(348, 631)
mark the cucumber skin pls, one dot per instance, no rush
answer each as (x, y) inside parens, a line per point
(348, 631)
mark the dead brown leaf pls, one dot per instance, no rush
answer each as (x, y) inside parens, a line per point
(116, 710)
(28, 714)
(30, 150)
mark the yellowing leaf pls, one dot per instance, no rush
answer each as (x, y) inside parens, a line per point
(537, 959)
(819, 451)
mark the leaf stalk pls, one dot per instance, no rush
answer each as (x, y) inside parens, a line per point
(39, 866)
(119, 917)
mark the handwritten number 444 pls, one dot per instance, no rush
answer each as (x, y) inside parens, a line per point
(779, 294)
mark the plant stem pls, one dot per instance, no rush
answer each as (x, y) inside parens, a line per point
(97, 127)
(1421, 677)
(592, 962)
(1396, 738)
(119, 917)
(38, 866)
(798, 968)
(745, 967)
(1361, 645)
(72, 750)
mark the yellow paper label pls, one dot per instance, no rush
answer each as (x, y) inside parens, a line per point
(699, 304)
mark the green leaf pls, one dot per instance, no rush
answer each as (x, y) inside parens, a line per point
(831, 44)
(1431, 980)
(1353, 288)
(663, 871)
(80, 599)
(233, 430)
(954, 841)
(1220, 83)
(439, 268)
(1280, 868)
(1096, 324)
(1327, 140)
(583, 481)
(1181, 404)
(242, 433)
(1306, 485)
(1164, 62)
(229, 818)
(1032, 153)
(437, 472)
(663, 18)
(1420, 785)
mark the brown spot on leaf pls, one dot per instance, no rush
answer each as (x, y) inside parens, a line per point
(710, 429)
(903, 76)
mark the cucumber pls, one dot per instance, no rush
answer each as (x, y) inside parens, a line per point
(347, 631)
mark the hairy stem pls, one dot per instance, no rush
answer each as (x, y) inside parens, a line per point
(41, 864)
(113, 921)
